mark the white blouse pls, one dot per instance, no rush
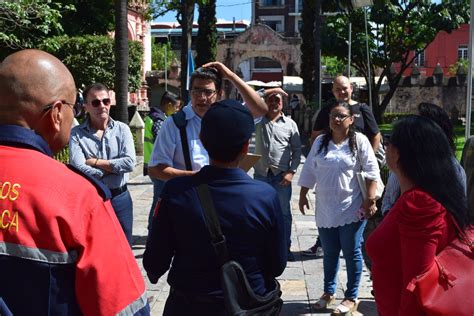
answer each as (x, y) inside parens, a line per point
(338, 195)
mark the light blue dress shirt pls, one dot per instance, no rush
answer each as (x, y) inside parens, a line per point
(116, 146)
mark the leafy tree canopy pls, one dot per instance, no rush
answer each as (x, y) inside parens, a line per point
(395, 28)
(91, 59)
(158, 52)
(90, 17)
(26, 23)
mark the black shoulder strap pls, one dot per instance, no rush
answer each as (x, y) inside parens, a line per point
(212, 223)
(179, 120)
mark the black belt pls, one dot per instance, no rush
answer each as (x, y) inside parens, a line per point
(118, 191)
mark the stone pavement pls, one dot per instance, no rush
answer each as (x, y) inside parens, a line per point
(302, 281)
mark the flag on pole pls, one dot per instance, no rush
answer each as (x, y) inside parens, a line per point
(190, 69)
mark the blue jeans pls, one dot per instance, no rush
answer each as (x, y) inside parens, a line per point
(284, 196)
(349, 239)
(123, 208)
(157, 188)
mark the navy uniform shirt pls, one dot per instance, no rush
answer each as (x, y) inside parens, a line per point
(251, 220)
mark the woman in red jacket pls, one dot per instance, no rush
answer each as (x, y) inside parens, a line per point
(420, 223)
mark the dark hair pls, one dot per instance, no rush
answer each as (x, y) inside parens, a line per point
(427, 160)
(208, 73)
(94, 86)
(441, 117)
(223, 155)
(169, 97)
(327, 136)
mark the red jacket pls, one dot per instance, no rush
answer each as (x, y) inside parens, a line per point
(403, 246)
(62, 250)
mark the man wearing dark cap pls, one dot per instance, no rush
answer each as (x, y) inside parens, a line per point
(249, 214)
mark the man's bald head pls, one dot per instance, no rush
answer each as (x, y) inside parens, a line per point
(30, 79)
(342, 89)
(36, 90)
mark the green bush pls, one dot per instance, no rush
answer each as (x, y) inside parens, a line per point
(389, 118)
(63, 155)
(90, 58)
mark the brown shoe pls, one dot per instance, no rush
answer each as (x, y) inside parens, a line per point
(324, 301)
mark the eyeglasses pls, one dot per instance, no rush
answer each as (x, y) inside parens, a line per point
(73, 108)
(206, 92)
(339, 117)
(95, 103)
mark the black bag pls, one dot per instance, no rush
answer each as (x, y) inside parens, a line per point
(239, 297)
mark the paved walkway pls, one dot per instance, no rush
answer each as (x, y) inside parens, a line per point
(302, 281)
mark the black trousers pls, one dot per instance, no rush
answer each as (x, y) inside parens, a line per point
(180, 304)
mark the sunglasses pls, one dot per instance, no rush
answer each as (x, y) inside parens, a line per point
(95, 103)
(74, 109)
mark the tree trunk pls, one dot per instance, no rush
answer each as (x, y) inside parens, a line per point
(187, 15)
(121, 61)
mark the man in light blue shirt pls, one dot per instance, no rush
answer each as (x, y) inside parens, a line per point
(167, 160)
(103, 149)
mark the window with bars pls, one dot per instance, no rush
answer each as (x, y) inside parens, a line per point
(462, 52)
(420, 59)
(268, 3)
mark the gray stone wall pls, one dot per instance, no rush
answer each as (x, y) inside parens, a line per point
(406, 99)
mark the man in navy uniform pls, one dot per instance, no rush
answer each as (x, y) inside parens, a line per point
(249, 214)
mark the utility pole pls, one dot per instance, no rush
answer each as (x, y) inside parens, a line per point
(317, 52)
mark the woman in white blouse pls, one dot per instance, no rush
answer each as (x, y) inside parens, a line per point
(331, 168)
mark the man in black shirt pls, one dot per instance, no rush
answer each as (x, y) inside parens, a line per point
(364, 119)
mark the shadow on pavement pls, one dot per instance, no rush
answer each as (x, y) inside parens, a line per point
(299, 256)
(139, 240)
(295, 308)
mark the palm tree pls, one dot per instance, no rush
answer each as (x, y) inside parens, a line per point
(186, 21)
(121, 61)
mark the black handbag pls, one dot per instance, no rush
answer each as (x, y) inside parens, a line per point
(239, 297)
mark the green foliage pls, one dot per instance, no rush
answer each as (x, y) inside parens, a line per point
(389, 118)
(336, 67)
(395, 29)
(464, 63)
(91, 59)
(206, 42)
(90, 17)
(26, 23)
(307, 49)
(63, 155)
(158, 56)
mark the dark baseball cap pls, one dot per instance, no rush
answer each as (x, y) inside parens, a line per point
(226, 124)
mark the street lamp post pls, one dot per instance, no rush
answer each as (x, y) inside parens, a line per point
(356, 4)
(469, 75)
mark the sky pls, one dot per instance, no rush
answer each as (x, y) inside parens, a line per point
(225, 10)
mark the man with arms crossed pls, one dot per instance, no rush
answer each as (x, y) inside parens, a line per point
(103, 149)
